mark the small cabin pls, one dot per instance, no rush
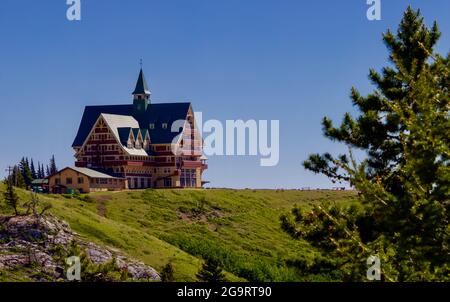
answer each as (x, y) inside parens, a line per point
(84, 180)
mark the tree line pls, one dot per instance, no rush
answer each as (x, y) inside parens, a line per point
(22, 174)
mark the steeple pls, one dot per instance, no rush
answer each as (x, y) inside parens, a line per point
(141, 85)
(141, 93)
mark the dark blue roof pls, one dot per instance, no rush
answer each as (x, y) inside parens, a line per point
(136, 132)
(124, 134)
(156, 114)
(141, 85)
(144, 132)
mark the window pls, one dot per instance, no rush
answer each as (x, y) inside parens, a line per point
(57, 181)
(69, 180)
(167, 182)
(188, 178)
(80, 180)
(164, 125)
(151, 126)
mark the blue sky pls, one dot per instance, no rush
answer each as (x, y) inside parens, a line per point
(289, 60)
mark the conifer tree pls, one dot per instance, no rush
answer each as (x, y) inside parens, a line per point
(403, 214)
(38, 172)
(10, 196)
(211, 271)
(34, 173)
(26, 172)
(17, 178)
(42, 172)
(167, 273)
(53, 168)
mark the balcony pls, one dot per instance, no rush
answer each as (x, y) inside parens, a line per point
(192, 164)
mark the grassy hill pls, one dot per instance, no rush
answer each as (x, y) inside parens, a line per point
(240, 227)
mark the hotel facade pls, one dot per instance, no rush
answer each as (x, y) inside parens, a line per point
(149, 145)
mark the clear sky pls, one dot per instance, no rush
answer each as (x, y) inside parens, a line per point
(288, 60)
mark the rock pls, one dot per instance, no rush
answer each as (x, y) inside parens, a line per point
(138, 270)
(13, 260)
(29, 240)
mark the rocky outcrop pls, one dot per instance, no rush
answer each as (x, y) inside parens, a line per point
(27, 241)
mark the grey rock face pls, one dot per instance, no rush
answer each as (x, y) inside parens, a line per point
(30, 240)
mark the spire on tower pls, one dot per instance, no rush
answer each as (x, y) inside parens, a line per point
(141, 94)
(141, 85)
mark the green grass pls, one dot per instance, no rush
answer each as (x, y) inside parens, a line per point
(239, 227)
(15, 276)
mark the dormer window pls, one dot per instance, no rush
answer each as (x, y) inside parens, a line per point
(164, 125)
(152, 126)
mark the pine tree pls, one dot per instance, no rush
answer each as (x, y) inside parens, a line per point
(404, 183)
(38, 171)
(17, 178)
(26, 172)
(47, 171)
(34, 173)
(42, 172)
(211, 271)
(167, 273)
(53, 168)
(10, 196)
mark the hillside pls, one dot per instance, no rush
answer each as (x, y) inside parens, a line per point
(240, 227)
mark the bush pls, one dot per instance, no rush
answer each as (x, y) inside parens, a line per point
(167, 273)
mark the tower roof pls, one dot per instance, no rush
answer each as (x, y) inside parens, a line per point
(141, 85)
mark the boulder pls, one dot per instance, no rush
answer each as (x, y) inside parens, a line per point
(26, 240)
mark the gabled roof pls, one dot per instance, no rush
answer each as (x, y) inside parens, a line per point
(155, 113)
(116, 122)
(124, 135)
(136, 132)
(164, 113)
(144, 132)
(90, 116)
(43, 181)
(90, 172)
(141, 85)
